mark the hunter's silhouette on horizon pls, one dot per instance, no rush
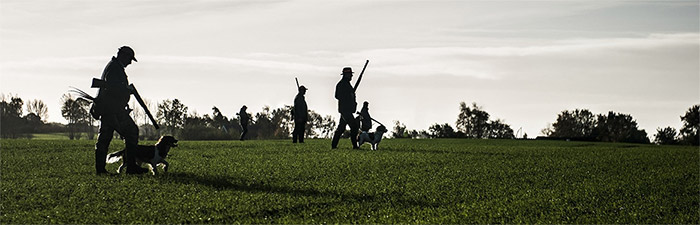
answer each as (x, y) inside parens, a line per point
(244, 119)
(364, 118)
(347, 106)
(300, 115)
(110, 106)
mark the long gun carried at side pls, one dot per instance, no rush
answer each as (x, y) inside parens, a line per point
(96, 83)
(357, 83)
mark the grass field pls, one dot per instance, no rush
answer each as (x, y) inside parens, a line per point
(407, 181)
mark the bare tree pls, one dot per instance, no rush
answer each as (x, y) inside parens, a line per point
(38, 108)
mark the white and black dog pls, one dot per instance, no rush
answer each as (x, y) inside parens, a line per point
(372, 137)
(148, 154)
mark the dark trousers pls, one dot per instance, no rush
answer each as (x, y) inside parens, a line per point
(244, 126)
(125, 126)
(346, 119)
(299, 129)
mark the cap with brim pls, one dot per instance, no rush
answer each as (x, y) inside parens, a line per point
(128, 50)
(302, 88)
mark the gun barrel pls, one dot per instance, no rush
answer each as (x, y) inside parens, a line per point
(357, 83)
(377, 122)
(143, 105)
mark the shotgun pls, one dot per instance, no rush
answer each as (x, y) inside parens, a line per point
(357, 83)
(98, 83)
(143, 105)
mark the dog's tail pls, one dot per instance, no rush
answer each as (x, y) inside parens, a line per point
(115, 157)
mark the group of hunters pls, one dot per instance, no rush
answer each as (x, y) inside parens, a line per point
(111, 108)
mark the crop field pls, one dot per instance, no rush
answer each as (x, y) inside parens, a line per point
(406, 181)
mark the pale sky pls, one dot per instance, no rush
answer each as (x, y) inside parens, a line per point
(523, 61)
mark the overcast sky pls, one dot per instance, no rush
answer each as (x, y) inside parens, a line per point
(523, 61)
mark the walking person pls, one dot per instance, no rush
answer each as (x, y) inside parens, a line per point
(244, 119)
(365, 118)
(300, 115)
(347, 105)
(111, 108)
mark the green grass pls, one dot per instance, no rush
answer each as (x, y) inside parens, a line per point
(407, 181)
(50, 136)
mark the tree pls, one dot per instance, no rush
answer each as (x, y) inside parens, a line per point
(262, 128)
(314, 125)
(441, 131)
(38, 108)
(472, 121)
(576, 124)
(618, 127)
(499, 130)
(281, 119)
(76, 112)
(171, 114)
(11, 122)
(666, 136)
(548, 130)
(399, 130)
(12, 108)
(328, 126)
(690, 132)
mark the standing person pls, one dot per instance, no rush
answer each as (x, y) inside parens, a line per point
(243, 118)
(300, 114)
(366, 119)
(347, 105)
(111, 109)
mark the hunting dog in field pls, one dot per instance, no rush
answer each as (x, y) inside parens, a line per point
(372, 137)
(148, 154)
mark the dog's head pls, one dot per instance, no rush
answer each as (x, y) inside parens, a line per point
(167, 141)
(381, 129)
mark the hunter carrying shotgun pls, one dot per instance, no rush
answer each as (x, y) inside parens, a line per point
(347, 105)
(111, 108)
(300, 114)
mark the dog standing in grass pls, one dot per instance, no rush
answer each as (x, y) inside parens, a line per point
(148, 154)
(373, 138)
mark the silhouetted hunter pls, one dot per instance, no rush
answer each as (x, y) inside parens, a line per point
(300, 115)
(112, 111)
(347, 105)
(365, 118)
(244, 119)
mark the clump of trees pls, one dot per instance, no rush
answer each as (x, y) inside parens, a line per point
(472, 122)
(689, 134)
(581, 124)
(269, 123)
(16, 124)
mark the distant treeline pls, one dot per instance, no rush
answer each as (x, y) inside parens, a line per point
(581, 124)
(577, 125)
(472, 122)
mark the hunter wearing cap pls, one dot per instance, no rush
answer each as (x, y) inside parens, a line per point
(347, 105)
(112, 111)
(300, 114)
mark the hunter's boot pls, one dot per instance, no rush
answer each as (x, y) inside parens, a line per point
(100, 162)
